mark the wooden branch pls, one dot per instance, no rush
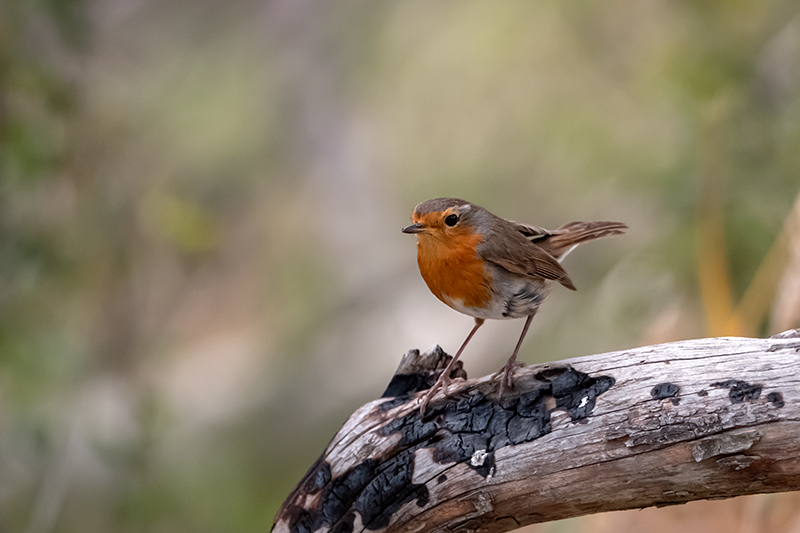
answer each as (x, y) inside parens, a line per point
(658, 425)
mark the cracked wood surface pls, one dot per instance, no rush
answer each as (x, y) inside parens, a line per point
(657, 425)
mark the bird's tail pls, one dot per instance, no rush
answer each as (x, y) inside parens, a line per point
(563, 240)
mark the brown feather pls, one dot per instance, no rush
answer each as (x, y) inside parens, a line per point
(509, 249)
(559, 241)
(538, 251)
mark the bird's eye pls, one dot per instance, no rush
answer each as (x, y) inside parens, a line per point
(451, 220)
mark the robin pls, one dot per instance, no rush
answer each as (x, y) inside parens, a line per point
(487, 267)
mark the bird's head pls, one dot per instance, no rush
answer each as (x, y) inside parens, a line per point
(442, 219)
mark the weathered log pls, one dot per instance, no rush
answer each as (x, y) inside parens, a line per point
(657, 425)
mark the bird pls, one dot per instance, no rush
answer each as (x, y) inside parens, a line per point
(487, 267)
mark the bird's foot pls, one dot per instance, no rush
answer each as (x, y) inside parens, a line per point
(506, 374)
(443, 383)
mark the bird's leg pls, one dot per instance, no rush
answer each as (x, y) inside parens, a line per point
(507, 372)
(444, 378)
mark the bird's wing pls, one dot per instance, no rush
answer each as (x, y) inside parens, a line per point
(532, 233)
(514, 252)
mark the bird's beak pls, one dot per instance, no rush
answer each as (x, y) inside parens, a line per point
(414, 228)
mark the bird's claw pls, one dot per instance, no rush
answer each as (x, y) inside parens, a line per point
(442, 383)
(506, 375)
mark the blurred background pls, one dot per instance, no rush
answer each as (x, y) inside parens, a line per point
(201, 267)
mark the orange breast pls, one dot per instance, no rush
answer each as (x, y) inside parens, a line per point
(452, 270)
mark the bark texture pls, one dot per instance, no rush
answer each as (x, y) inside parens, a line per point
(657, 425)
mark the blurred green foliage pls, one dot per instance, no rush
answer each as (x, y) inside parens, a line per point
(201, 271)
